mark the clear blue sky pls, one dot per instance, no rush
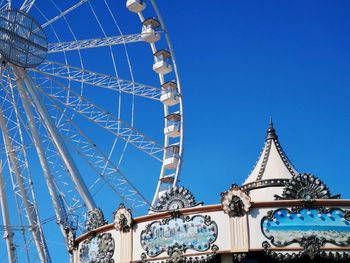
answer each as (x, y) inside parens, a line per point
(244, 61)
(241, 62)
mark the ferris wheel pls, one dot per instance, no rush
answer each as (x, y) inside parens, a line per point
(91, 115)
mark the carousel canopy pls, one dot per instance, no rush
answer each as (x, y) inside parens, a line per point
(273, 168)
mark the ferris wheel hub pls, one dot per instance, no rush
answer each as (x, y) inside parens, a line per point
(23, 42)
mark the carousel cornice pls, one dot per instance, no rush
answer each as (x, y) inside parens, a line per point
(264, 183)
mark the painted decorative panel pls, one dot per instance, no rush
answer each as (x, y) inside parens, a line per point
(283, 226)
(197, 233)
(97, 249)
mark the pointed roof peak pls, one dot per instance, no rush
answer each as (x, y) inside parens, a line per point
(271, 132)
(273, 166)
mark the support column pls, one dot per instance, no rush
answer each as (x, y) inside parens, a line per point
(38, 238)
(43, 161)
(8, 235)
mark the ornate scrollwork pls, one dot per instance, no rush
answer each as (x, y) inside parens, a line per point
(95, 219)
(235, 202)
(238, 257)
(123, 219)
(97, 249)
(174, 199)
(311, 246)
(71, 235)
(338, 255)
(176, 255)
(278, 255)
(306, 187)
(312, 249)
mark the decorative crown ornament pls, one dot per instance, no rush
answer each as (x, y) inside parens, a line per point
(122, 219)
(95, 219)
(307, 187)
(235, 202)
(174, 199)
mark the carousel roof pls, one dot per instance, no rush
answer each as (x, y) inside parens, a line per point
(272, 165)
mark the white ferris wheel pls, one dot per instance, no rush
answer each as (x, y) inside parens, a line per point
(91, 113)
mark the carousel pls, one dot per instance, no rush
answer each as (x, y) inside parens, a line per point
(278, 214)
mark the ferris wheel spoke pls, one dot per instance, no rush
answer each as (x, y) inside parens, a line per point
(54, 69)
(21, 75)
(100, 163)
(8, 5)
(94, 43)
(63, 13)
(27, 5)
(106, 120)
(69, 197)
(5, 5)
(44, 164)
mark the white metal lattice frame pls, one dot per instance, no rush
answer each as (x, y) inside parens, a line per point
(46, 132)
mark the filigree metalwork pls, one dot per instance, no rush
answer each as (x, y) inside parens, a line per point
(174, 199)
(235, 202)
(97, 249)
(287, 256)
(176, 254)
(337, 255)
(95, 219)
(197, 233)
(286, 226)
(278, 255)
(311, 246)
(238, 257)
(71, 235)
(123, 219)
(306, 187)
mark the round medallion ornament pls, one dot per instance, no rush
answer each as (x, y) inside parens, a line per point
(235, 202)
(22, 40)
(123, 219)
(306, 187)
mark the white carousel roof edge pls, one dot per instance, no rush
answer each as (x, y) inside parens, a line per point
(273, 162)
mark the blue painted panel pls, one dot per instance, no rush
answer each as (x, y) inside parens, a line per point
(196, 233)
(284, 227)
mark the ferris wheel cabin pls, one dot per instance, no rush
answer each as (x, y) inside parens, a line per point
(162, 62)
(135, 6)
(149, 33)
(170, 94)
(171, 156)
(173, 122)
